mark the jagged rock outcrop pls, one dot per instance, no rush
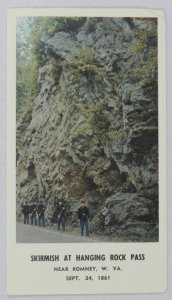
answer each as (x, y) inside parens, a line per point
(93, 132)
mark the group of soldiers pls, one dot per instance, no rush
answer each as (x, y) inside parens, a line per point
(35, 215)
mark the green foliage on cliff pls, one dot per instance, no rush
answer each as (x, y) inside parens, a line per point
(32, 32)
(118, 135)
(145, 67)
(96, 126)
(84, 61)
(28, 62)
(96, 116)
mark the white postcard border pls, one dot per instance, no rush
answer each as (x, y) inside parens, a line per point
(19, 254)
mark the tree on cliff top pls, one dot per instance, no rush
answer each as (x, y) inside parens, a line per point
(32, 32)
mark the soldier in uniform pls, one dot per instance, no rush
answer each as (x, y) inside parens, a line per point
(83, 216)
(40, 211)
(25, 211)
(33, 210)
(61, 215)
(54, 217)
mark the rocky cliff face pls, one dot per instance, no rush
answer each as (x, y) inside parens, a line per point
(93, 131)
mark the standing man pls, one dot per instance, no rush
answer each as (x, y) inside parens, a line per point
(33, 218)
(83, 216)
(54, 217)
(25, 211)
(61, 215)
(40, 211)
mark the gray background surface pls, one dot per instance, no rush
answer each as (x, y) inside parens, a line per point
(166, 5)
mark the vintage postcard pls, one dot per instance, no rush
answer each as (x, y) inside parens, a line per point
(86, 151)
